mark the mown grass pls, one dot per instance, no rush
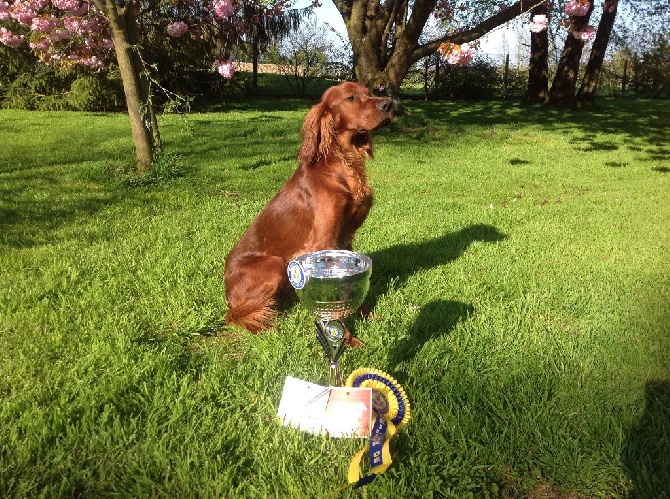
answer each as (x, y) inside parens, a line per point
(520, 268)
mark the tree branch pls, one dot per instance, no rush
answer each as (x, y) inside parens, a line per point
(476, 32)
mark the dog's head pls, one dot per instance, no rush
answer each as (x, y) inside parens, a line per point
(341, 122)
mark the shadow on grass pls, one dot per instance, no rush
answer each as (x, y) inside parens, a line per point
(646, 452)
(397, 263)
(29, 223)
(437, 318)
(643, 121)
(35, 204)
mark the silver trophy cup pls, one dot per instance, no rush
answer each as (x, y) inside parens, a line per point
(331, 284)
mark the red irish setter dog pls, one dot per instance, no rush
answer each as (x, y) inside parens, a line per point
(319, 208)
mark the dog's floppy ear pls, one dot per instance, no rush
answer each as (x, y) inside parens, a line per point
(318, 134)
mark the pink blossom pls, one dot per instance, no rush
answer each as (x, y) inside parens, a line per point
(92, 62)
(23, 12)
(80, 26)
(44, 24)
(66, 4)
(10, 39)
(60, 34)
(105, 44)
(4, 12)
(74, 7)
(577, 8)
(223, 8)
(457, 54)
(467, 54)
(177, 29)
(224, 68)
(539, 23)
(585, 34)
(41, 44)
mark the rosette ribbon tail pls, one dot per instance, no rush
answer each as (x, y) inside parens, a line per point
(380, 453)
(391, 411)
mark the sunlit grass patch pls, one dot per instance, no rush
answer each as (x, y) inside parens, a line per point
(520, 277)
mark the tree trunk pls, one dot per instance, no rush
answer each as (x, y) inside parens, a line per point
(587, 91)
(562, 93)
(119, 18)
(425, 78)
(143, 77)
(538, 74)
(505, 88)
(624, 80)
(254, 60)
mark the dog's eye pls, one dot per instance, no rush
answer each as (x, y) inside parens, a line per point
(351, 98)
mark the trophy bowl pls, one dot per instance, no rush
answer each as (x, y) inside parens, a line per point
(331, 283)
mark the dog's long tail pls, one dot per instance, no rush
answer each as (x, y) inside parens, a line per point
(252, 318)
(252, 286)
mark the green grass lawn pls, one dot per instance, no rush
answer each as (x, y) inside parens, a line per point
(520, 274)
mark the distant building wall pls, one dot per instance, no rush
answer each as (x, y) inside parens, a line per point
(264, 68)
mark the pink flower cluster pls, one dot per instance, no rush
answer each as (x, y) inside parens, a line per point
(72, 7)
(45, 24)
(24, 10)
(10, 39)
(77, 35)
(577, 8)
(223, 8)
(177, 29)
(457, 54)
(4, 10)
(74, 32)
(539, 23)
(586, 34)
(224, 68)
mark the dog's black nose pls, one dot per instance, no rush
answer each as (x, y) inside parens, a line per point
(385, 105)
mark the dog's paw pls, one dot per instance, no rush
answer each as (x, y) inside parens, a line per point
(351, 340)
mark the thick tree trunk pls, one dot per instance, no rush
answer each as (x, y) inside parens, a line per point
(562, 93)
(138, 111)
(587, 91)
(538, 75)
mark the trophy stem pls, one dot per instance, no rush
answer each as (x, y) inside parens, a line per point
(335, 374)
(330, 334)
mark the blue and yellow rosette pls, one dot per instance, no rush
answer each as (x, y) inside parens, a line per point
(391, 412)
